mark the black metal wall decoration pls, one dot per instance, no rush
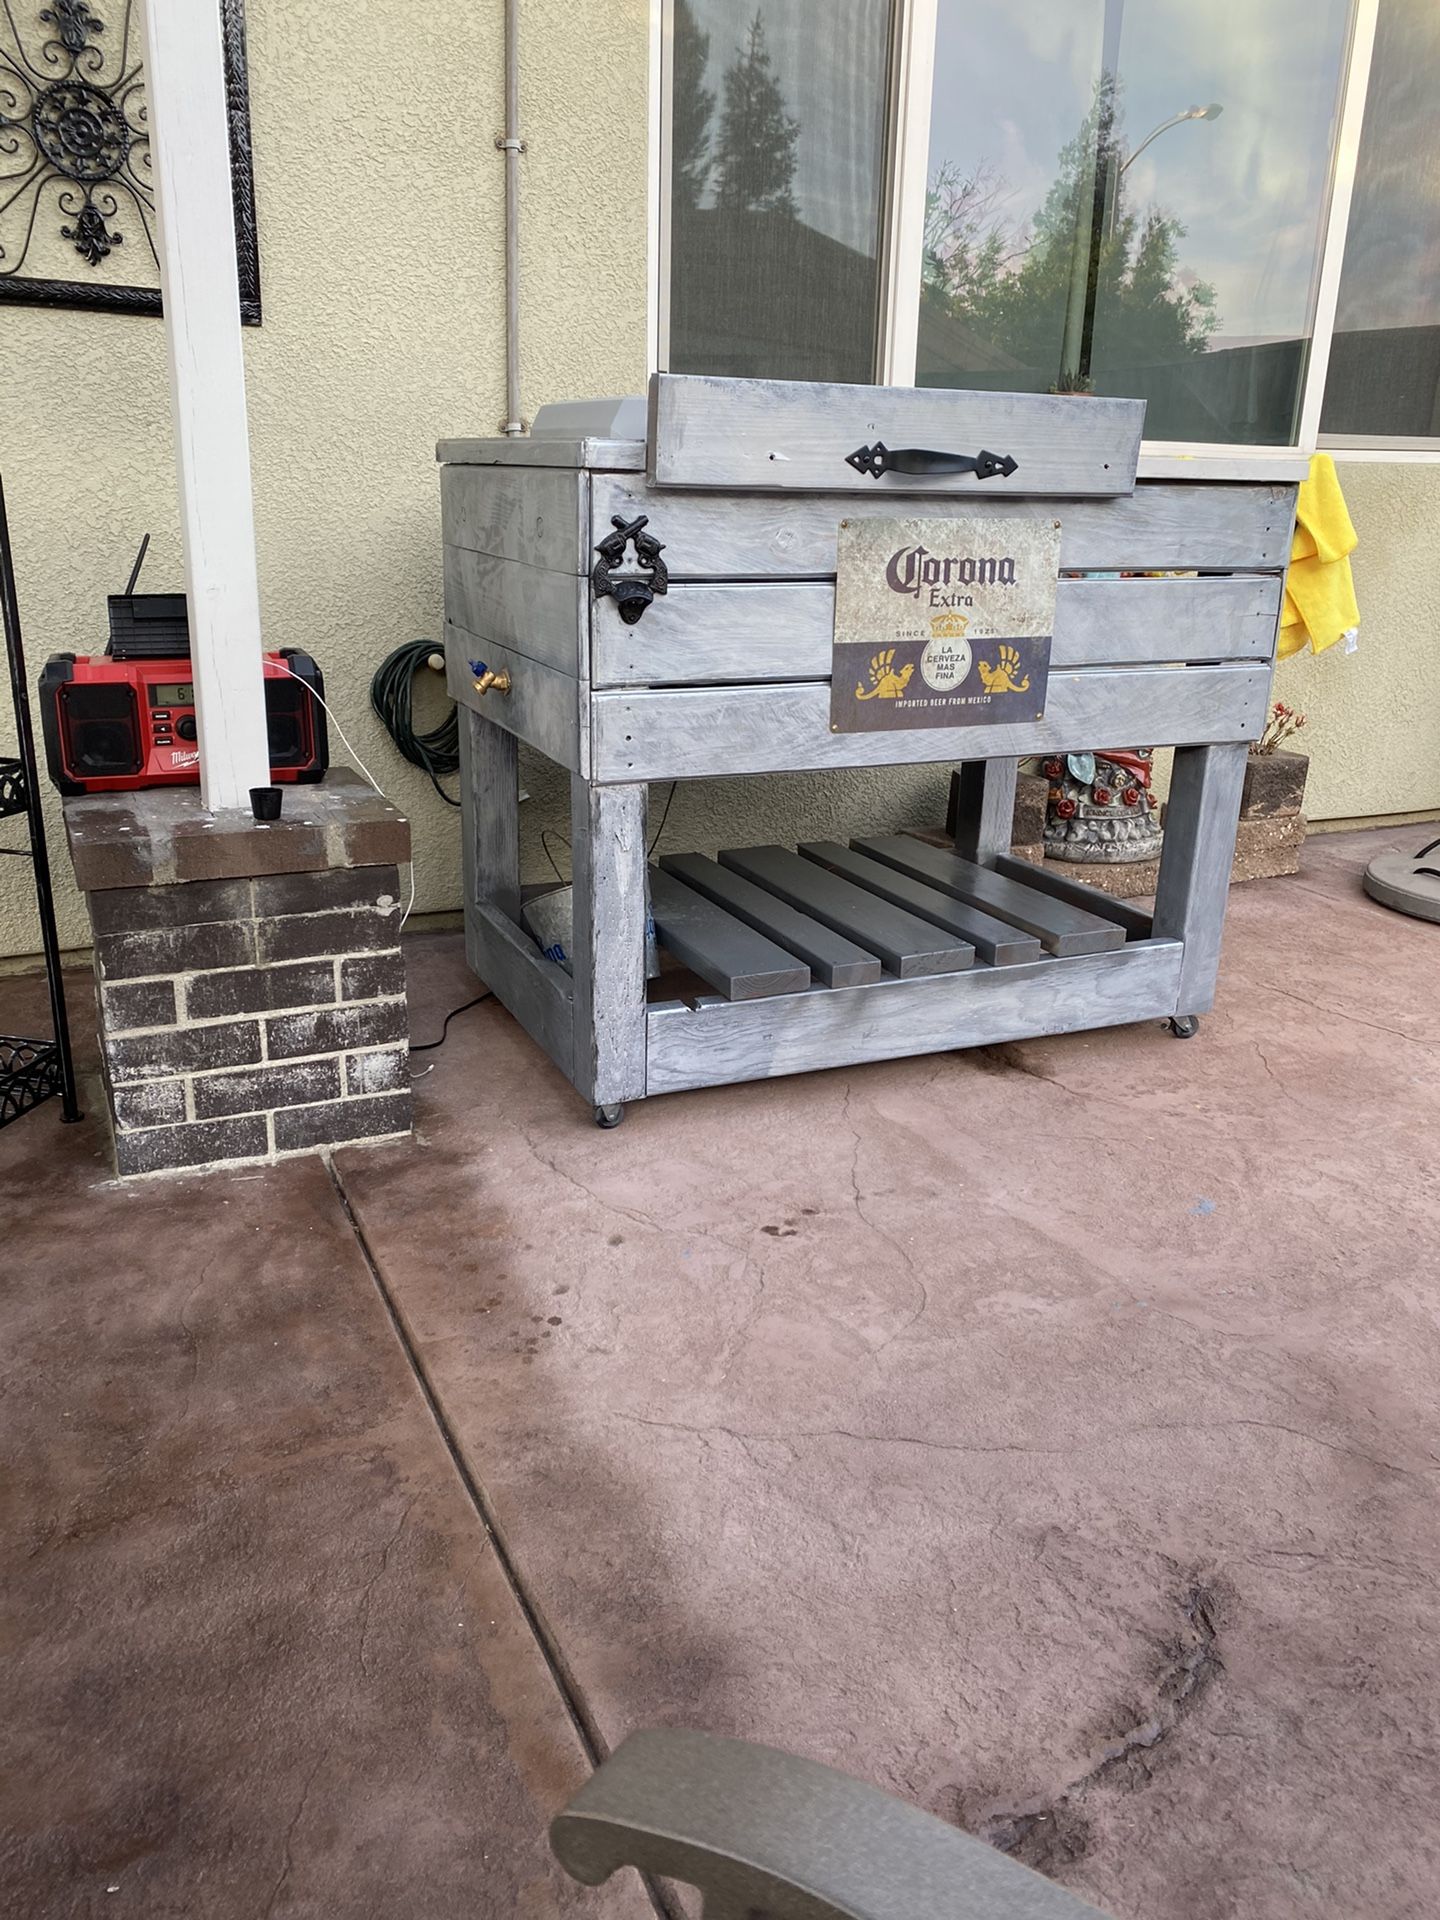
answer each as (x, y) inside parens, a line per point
(75, 163)
(31, 1070)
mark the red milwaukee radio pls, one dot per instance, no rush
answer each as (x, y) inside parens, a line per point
(126, 719)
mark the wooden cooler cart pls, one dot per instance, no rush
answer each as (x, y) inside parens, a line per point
(648, 598)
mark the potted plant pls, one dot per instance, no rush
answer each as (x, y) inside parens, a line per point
(1274, 775)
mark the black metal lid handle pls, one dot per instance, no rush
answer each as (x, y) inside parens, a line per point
(880, 459)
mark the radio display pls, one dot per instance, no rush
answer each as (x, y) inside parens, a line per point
(177, 693)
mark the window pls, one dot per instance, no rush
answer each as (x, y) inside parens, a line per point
(1131, 200)
(1138, 197)
(1384, 377)
(777, 166)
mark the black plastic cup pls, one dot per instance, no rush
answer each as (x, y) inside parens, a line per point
(265, 802)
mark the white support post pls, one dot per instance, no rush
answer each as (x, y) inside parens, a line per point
(190, 146)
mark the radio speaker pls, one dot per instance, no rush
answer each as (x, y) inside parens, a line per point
(102, 725)
(287, 723)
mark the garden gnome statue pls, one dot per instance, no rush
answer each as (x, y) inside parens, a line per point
(1101, 808)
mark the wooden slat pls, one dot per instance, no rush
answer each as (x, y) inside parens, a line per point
(536, 991)
(544, 708)
(607, 856)
(792, 436)
(719, 536)
(1060, 928)
(489, 814)
(691, 734)
(770, 630)
(1049, 876)
(531, 610)
(982, 807)
(737, 961)
(1201, 817)
(997, 942)
(834, 960)
(534, 515)
(908, 945)
(717, 1043)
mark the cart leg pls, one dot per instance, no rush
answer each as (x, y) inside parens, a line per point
(489, 815)
(608, 851)
(982, 808)
(1199, 851)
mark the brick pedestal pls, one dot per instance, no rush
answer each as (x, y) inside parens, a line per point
(249, 978)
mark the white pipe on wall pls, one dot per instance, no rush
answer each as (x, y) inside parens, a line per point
(512, 146)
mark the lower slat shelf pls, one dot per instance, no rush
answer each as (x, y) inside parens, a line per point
(717, 1042)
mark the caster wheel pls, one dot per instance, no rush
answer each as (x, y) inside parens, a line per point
(608, 1117)
(1184, 1026)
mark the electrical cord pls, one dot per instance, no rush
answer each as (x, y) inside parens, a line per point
(315, 695)
(665, 815)
(436, 752)
(429, 1046)
(547, 834)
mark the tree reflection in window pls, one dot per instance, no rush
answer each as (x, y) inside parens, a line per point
(776, 163)
(1032, 293)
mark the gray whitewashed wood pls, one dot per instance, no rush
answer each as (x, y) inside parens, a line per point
(719, 536)
(531, 610)
(998, 943)
(1059, 927)
(770, 630)
(737, 961)
(1201, 817)
(596, 451)
(693, 734)
(791, 435)
(489, 814)
(1049, 876)
(546, 709)
(607, 852)
(834, 960)
(983, 802)
(908, 945)
(717, 1043)
(531, 988)
(534, 515)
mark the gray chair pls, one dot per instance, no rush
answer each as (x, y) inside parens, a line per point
(761, 1833)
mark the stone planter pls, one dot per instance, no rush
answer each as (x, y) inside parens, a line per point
(1274, 785)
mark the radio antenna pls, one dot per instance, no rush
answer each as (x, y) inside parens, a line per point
(139, 562)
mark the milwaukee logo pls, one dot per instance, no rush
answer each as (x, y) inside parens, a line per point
(913, 568)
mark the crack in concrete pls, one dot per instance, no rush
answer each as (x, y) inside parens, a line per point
(741, 1436)
(1271, 1074)
(607, 1206)
(377, 1577)
(1338, 1013)
(1049, 1833)
(295, 1819)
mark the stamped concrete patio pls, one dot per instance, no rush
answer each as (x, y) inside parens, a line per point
(1048, 1434)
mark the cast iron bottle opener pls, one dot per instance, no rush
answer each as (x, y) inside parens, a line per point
(632, 592)
(881, 459)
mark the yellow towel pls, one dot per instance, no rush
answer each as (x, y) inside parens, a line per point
(1319, 591)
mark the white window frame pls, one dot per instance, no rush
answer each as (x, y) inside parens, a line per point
(912, 70)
